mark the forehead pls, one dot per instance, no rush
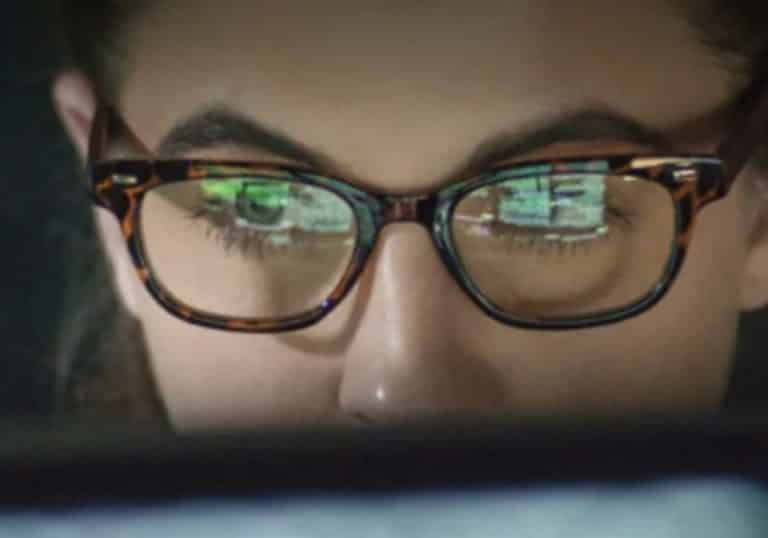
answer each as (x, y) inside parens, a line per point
(368, 82)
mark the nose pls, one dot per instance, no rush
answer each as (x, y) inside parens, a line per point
(411, 355)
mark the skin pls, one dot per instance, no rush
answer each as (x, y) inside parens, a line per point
(398, 97)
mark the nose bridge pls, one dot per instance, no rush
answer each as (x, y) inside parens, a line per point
(409, 208)
(408, 354)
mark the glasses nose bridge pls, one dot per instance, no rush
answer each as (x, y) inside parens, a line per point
(416, 208)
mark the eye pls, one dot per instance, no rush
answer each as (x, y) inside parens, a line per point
(243, 214)
(270, 216)
(263, 206)
(563, 214)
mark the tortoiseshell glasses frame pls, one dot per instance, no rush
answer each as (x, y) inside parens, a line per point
(693, 181)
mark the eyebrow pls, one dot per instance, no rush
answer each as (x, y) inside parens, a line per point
(590, 123)
(221, 126)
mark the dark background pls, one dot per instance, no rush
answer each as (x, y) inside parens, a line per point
(43, 219)
(41, 210)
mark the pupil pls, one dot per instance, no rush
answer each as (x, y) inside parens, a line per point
(260, 206)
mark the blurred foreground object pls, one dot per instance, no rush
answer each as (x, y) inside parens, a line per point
(702, 479)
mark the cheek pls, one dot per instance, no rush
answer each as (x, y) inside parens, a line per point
(213, 379)
(675, 356)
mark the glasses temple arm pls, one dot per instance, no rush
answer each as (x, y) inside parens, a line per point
(106, 123)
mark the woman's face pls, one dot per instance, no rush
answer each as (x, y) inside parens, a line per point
(397, 97)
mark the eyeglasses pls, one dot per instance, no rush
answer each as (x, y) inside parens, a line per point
(260, 247)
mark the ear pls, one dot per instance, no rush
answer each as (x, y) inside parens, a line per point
(755, 283)
(74, 100)
(75, 103)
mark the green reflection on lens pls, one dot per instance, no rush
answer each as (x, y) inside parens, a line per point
(320, 211)
(526, 202)
(279, 205)
(560, 201)
(271, 194)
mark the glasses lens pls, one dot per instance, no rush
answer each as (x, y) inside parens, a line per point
(565, 246)
(247, 247)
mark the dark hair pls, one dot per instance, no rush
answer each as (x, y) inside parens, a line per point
(102, 361)
(92, 36)
(99, 358)
(735, 31)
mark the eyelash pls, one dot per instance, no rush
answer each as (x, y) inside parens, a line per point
(561, 248)
(229, 235)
